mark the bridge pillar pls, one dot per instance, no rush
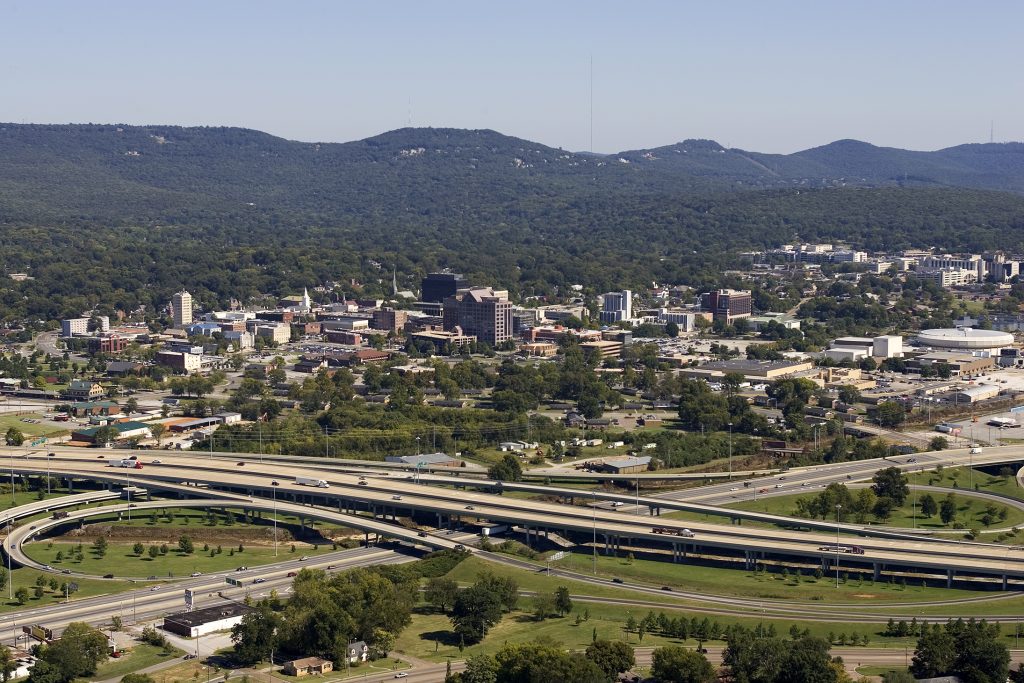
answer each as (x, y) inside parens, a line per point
(824, 564)
(71, 487)
(606, 545)
(950, 575)
(1005, 582)
(877, 571)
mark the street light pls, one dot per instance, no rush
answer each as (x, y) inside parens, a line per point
(730, 450)
(273, 488)
(838, 508)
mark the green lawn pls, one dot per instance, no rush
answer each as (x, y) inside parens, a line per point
(120, 560)
(430, 637)
(960, 478)
(27, 578)
(29, 429)
(970, 510)
(140, 656)
(720, 581)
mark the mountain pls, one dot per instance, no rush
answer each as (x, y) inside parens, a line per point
(122, 216)
(844, 163)
(112, 172)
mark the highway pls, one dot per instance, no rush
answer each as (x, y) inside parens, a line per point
(384, 496)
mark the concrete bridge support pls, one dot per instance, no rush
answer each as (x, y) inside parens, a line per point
(950, 575)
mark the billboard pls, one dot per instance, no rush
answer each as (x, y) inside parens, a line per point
(189, 600)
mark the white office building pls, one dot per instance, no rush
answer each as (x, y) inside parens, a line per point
(181, 309)
(617, 306)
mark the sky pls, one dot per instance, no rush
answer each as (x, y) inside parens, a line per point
(763, 75)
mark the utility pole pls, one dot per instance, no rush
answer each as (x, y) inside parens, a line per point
(838, 508)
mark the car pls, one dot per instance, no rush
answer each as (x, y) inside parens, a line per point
(469, 507)
(911, 460)
(803, 483)
(116, 654)
(332, 566)
(396, 497)
(241, 569)
(733, 488)
(108, 576)
(303, 558)
(422, 534)
(151, 578)
(459, 546)
(157, 461)
(617, 580)
(154, 588)
(189, 656)
(666, 588)
(65, 571)
(48, 567)
(782, 479)
(32, 527)
(291, 574)
(195, 574)
(99, 457)
(275, 483)
(361, 478)
(259, 580)
(240, 464)
(51, 455)
(617, 504)
(401, 674)
(778, 486)
(362, 483)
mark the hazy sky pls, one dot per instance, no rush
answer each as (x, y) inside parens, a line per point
(764, 75)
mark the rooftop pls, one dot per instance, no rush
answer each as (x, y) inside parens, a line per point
(199, 617)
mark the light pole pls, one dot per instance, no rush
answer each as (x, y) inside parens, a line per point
(128, 490)
(730, 450)
(273, 488)
(838, 508)
(593, 509)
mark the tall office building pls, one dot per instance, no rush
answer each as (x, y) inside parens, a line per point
(617, 306)
(439, 286)
(181, 309)
(727, 304)
(480, 311)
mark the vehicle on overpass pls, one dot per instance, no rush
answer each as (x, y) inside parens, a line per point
(130, 463)
(673, 532)
(312, 481)
(849, 549)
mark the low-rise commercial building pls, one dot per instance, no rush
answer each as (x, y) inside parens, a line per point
(750, 369)
(202, 621)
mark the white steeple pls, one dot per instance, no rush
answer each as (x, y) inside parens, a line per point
(306, 304)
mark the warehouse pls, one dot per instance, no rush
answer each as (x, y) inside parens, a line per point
(202, 621)
(981, 392)
(626, 465)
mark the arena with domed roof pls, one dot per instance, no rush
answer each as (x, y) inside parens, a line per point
(965, 339)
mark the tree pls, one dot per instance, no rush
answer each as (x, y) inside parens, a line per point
(938, 443)
(507, 469)
(131, 405)
(543, 606)
(891, 414)
(440, 592)
(543, 663)
(383, 643)
(849, 394)
(185, 545)
(947, 509)
(153, 552)
(672, 329)
(611, 656)
(14, 437)
(255, 637)
(138, 678)
(138, 549)
(891, 483)
(78, 652)
(480, 669)
(898, 677)
(928, 505)
(105, 434)
(157, 429)
(475, 611)
(7, 664)
(675, 664)
(505, 588)
(563, 602)
(934, 654)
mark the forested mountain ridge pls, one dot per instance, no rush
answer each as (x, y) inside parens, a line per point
(116, 172)
(121, 216)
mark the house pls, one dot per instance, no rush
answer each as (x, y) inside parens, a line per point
(83, 390)
(308, 666)
(88, 409)
(357, 652)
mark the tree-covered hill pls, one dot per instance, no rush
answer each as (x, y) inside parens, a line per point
(122, 216)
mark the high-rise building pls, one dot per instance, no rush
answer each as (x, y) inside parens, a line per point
(617, 306)
(181, 309)
(481, 312)
(727, 304)
(439, 286)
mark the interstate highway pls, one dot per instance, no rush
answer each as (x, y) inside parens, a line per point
(981, 558)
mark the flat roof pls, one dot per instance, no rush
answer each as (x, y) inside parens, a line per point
(426, 458)
(741, 364)
(628, 461)
(206, 615)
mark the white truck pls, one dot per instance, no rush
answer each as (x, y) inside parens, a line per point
(312, 481)
(130, 463)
